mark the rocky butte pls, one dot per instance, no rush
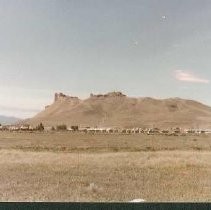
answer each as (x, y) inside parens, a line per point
(115, 109)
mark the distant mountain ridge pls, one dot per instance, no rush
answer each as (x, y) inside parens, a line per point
(115, 109)
(8, 120)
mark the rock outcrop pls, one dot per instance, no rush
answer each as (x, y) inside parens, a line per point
(110, 94)
(62, 96)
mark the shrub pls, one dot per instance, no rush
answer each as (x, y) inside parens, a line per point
(74, 127)
(62, 127)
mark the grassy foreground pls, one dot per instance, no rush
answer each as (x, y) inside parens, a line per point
(77, 167)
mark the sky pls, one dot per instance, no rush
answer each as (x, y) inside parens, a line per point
(149, 48)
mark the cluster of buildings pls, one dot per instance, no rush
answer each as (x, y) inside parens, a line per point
(17, 128)
(148, 131)
(111, 130)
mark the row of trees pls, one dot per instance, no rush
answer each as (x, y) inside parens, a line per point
(62, 127)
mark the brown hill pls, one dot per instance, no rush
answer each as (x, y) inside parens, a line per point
(116, 109)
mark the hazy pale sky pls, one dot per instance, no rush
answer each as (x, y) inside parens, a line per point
(140, 47)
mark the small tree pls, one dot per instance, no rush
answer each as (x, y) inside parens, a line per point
(62, 127)
(53, 128)
(40, 127)
(74, 127)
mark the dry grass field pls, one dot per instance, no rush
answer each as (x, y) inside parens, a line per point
(84, 167)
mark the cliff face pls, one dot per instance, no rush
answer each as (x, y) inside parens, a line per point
(117, 109)
(62, 97)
